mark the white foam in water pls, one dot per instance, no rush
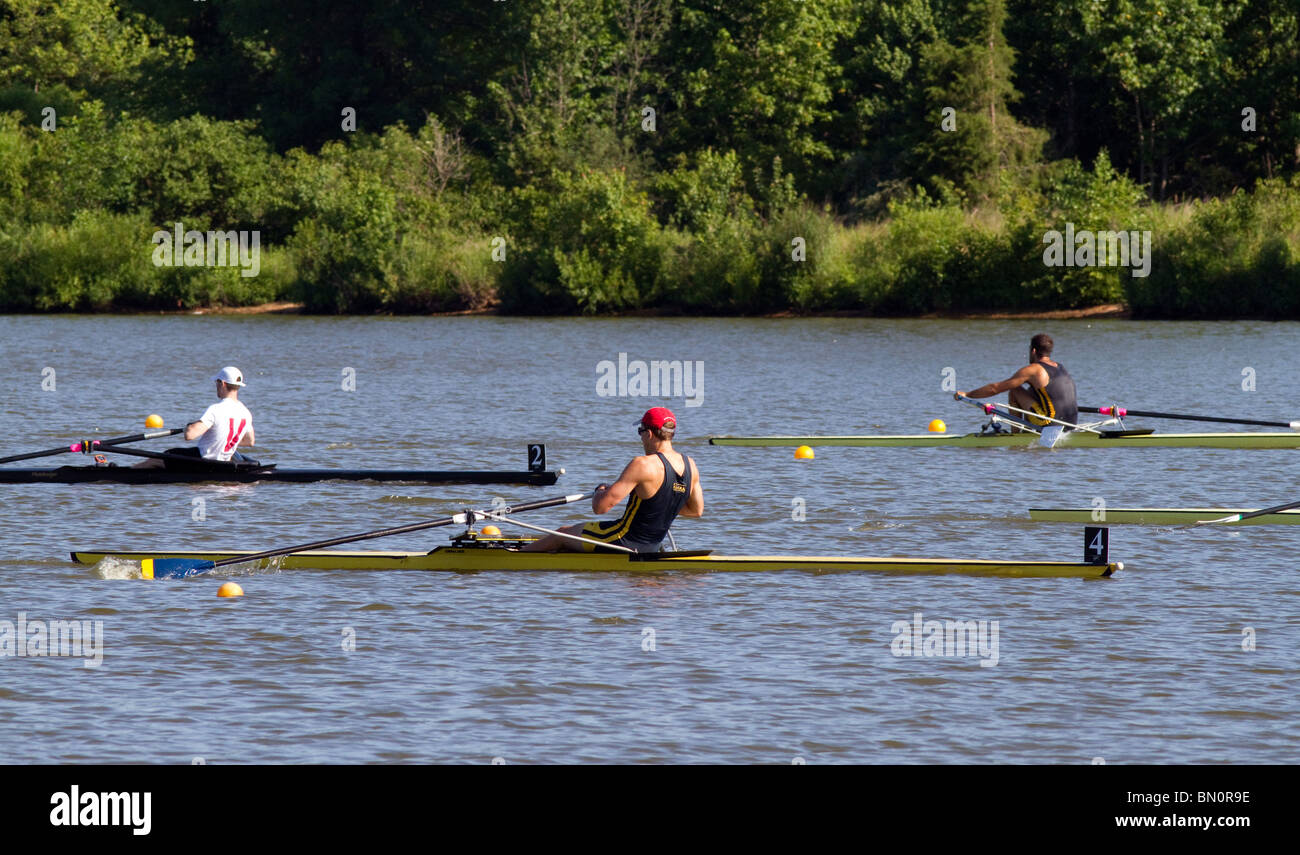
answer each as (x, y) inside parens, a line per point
(117, 568)
(411, 500)
(264, 567)
(120, 568)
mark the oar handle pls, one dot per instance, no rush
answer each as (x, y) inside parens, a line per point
(1121, 412)
(463, 518)
(1003, 411)
(86, 446)
(990, 409)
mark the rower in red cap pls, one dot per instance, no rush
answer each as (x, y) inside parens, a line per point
(659, 485)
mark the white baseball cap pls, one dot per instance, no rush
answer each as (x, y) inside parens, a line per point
(231, 376)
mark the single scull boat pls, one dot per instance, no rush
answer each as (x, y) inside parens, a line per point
(1008, 428)
(246, 475)
(200, 472)
(1161, 516)
(470, 554)
(1108, 439)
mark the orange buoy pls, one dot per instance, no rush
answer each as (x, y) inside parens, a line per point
(490, 531)
(937, 426)
(804, 452)
(154, 421)
(230, 589)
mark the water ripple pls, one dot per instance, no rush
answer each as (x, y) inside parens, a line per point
(1185, 657)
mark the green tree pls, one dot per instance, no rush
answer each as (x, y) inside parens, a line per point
(554, 92)
(77, 44)
(877, 102)
(1261, 70)
(754, 76)
(1161, 53)
(972, 78)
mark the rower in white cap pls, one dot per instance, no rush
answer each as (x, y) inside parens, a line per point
(221, 429)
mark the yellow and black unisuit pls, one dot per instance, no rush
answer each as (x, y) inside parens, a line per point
(645, 523)
(1058, 399)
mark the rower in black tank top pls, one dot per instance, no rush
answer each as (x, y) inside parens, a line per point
(645, 522)
(1058, 399)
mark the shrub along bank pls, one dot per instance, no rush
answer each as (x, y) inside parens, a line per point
(371, 226)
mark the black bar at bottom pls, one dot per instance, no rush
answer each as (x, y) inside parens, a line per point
(305, 804)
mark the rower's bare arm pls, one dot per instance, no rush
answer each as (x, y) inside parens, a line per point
(1020, 378)
(194, 430)
(247, 438)
(694, 506)
(606, 498)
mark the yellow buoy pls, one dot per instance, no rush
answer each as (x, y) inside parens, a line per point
(490, 531)
(937, 426)
(804, 452)
(154, 421)
(230, 589)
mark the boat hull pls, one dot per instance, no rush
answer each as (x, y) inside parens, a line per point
(1159, 516)
(127, 475)
(1284, 439)
(476, 559)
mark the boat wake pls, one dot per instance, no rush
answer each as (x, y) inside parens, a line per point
(121, 568)
(878, 525)
(264, 567)
(412, 500)
(117, 568)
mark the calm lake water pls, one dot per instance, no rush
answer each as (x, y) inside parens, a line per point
(1148, 667)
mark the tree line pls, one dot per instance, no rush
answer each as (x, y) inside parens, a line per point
(562, 156)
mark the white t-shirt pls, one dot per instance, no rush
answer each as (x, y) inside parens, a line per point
(227, 420)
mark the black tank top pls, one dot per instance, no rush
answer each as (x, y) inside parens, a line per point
(647, 520)
(1058, 399)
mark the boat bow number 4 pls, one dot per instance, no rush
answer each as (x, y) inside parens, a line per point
(471, 552)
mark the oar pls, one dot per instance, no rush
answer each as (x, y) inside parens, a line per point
(177, 568)
(1048, 435)
(89, 445)
(614, 546)
(181, 458)
(1121, 412)
(1232, 518)
(1007, 409)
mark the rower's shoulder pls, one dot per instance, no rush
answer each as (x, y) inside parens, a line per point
(644, 461)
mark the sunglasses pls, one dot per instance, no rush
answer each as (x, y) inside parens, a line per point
(642, 429)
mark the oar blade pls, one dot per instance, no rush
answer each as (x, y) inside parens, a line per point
(174, 568)
(1050, 436)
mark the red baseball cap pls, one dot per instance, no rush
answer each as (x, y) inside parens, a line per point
(659, 417)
